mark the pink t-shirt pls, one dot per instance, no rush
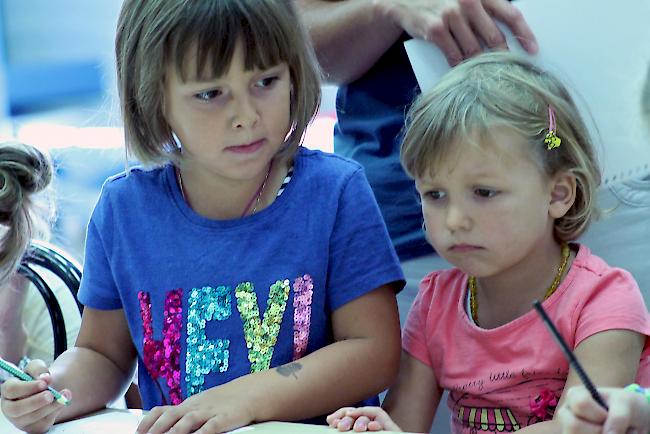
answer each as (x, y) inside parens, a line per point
(506, 378)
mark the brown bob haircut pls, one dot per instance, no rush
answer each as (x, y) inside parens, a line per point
(153, 35)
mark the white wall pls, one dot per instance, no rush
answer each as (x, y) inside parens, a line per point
(53, 30)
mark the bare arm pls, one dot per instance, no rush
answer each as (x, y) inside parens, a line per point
(413, 399)
(614, 367)
(351, 35)
(410, 404)
(100, 367)
(363, 361)
(346, 30)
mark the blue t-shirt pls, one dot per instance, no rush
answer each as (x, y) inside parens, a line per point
(370, 113)
(208, 301)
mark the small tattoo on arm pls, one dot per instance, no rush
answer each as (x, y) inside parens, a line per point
(289, 369)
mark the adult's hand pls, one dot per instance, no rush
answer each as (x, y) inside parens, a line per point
(461, 28)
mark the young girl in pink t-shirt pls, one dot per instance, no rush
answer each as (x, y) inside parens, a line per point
(507, 176)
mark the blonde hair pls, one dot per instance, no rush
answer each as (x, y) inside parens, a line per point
(24, 172)
(153, 35)
(503, 89)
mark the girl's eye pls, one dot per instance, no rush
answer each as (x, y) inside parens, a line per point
(267, 81)
(208, 95)
(436, 194)
(485, 192)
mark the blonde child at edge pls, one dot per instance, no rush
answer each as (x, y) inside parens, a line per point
(26, 208)
(629, 410)
(24, 173)
(507, 177)
(250, 278)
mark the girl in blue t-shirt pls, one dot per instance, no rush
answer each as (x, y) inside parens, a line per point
(249, 278)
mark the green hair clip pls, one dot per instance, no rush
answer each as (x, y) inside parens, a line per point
(551, 140)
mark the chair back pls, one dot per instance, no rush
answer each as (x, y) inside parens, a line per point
(46, 256)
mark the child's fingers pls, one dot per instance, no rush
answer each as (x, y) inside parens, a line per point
(334, 418)
(193, 421)
(627, 412)
(14, 389)
(573, 425)
(345, 424)
(165, 419)
(363, 410)
(370, 412)
(21, 407)
(36, 368)
(150, 419)
(43, 416)
(220, 423)
(357, 419)
(580, 403)
(361, 424)
(42, 426)
(334, 422)
(378, 417)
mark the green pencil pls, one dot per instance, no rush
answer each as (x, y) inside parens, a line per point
(13, 370)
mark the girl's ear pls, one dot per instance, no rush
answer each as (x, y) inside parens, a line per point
(563, 194)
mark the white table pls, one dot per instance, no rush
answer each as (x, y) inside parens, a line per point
(113, 421)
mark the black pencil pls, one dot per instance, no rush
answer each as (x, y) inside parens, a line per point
(573, 361)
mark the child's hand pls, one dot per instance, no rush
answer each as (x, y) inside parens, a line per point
(28, 404)
(628, 412)
(361, 419)
(212, 411)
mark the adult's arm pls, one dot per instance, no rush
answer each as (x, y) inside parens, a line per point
(351, 35)
(346, 30)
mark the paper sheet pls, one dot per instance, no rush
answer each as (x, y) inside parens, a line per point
(601, 50)
(111, 422)
(107, 422)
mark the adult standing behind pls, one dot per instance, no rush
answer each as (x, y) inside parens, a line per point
(359, 44)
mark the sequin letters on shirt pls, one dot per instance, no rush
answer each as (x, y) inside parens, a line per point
(303, 291)
(162, 358)
(205, 355)
(261, 334)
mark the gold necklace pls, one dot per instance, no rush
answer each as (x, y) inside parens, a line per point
(258, 193)
(256, 198)
(473, 303)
